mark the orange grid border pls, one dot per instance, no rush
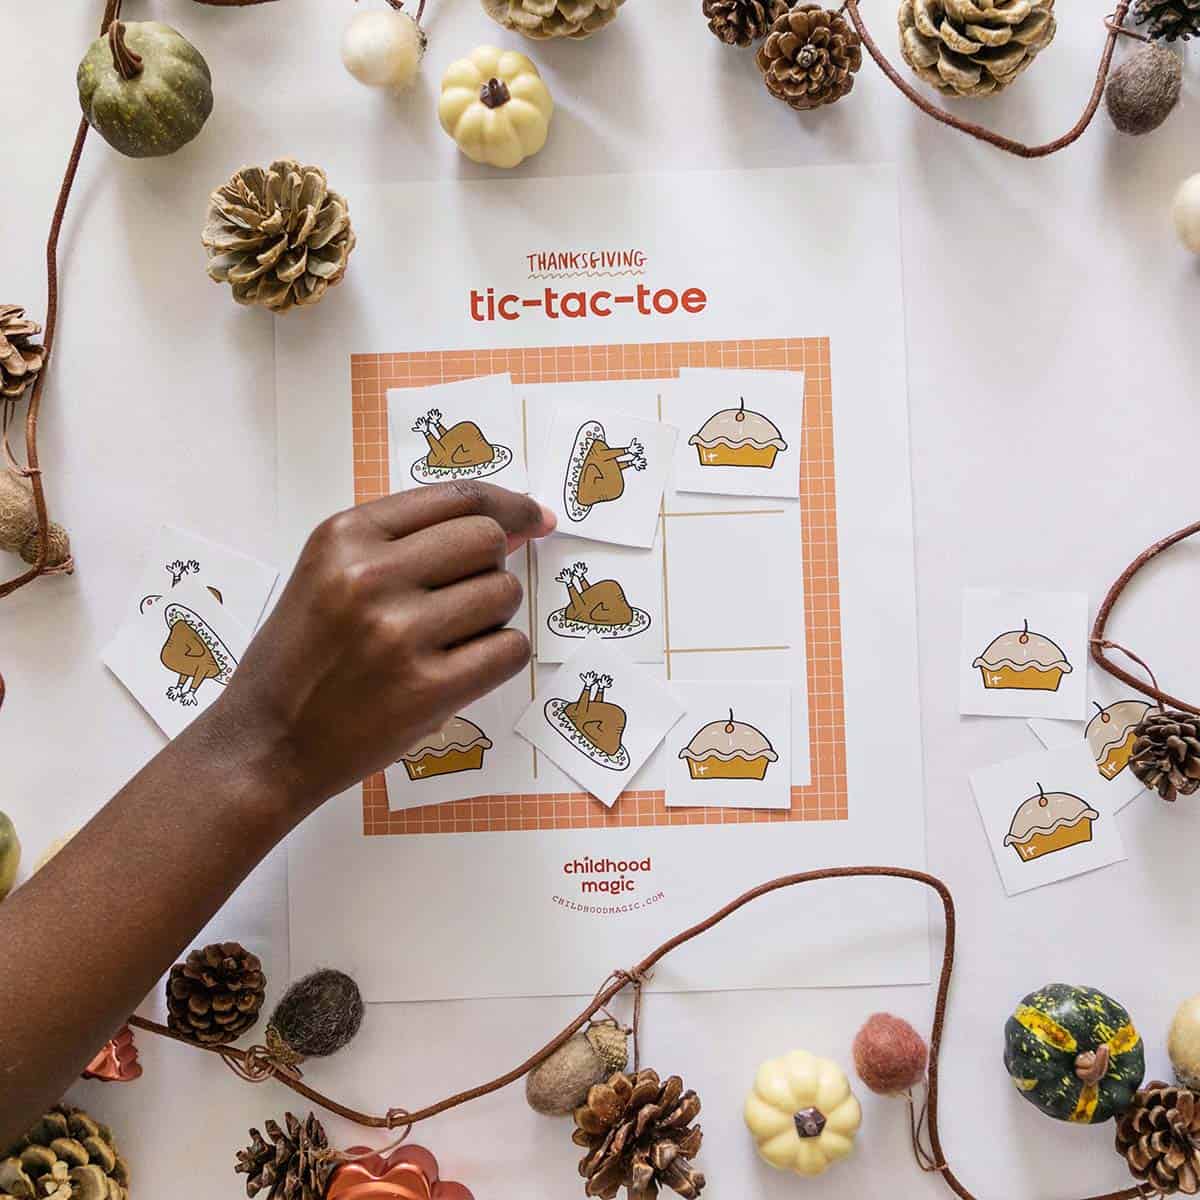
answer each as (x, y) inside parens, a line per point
(825, 798)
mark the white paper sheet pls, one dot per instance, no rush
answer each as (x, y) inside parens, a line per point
(503, 909)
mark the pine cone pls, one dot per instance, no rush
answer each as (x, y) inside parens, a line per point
(20, 358)
(553, 18)
(740, 22)
(1159, 1137)
(810, 56)
(1166, 752)
(1169, 19)
(974, 47)
(639, 1136)
(215, 995)
(279, 237)
(65, 1156)
(292, 1165)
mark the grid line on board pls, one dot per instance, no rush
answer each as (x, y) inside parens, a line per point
(825, 798)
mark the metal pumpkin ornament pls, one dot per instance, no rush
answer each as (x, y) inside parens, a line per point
(1074, 1053)
(406, 1173)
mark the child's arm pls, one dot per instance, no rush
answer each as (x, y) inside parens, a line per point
(392, 621)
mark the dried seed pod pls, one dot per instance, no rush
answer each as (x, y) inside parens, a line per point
(317, 1015)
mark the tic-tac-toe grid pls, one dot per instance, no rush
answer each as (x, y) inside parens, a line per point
(824, 799)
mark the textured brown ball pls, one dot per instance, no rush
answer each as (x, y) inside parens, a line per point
(318, 1014)
(1144, 89)
(889, 1055)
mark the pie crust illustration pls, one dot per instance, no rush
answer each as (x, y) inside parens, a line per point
(738, 437)
(728, 750)
(598, 610)
(458, 746)
(593, 725)
(1110, 734)
(1049, 822)
(1024, 660)
(595, 472)
(458, 452)
(195, 653)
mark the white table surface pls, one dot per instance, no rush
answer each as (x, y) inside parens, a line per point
(1052, 359)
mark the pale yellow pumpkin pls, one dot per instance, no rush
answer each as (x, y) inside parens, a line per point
(496, 106)
(802, 1113)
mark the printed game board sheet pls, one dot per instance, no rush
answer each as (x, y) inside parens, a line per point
(646, 381)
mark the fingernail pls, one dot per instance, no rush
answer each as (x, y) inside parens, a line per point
(549, 520)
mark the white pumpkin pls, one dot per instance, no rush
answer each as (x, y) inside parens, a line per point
(802, 1113)
(1186, 212)
(495, 105)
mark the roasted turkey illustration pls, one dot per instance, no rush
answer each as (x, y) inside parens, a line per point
(595, 474)
(458, 452)
(194, 653)
(600, 722)
(462, 445)
(600, 603)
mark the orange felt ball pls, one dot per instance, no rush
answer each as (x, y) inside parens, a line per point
(889, 1055)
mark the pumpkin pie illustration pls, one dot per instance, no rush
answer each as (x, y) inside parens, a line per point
(1111, 733)
(195, 653)
(738, 437)
(1024, 660)
(728, 750)
(458, 746)
(1049, 822)
(596, 470)
(597, 610)
(593, 725)
(459, 452)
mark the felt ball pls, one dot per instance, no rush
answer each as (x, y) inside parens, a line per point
(1185, 211)
(1142, 91)
(1183, 1043)
(319, 1014)
(560, 1085)
(889, 1055)
(383, 49)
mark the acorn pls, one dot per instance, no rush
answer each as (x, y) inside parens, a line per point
(560, 1085)
(1144, 89)
(890, 1055)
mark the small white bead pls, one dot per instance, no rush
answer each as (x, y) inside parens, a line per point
(1186, 211)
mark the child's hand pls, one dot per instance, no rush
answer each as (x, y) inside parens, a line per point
(392, 621)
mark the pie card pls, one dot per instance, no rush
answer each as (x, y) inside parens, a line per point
(177, 653)
(733, 748)
(1023, 654)
(1115, 711)
(472, 429)
(1046, 817)
(599, 716)
(241, 583)
(475, 753)
(603, 473)
(592, 591)
(740, 431)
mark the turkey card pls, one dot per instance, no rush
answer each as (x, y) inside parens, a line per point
(472, 429)
(598, 718)
(589, 591)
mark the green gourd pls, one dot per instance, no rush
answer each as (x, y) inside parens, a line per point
(10, 855)
(144, 88)
(1074, 1053)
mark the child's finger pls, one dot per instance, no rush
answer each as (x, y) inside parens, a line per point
(405, 513)
(476, 667)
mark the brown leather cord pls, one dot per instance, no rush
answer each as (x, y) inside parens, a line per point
(1100, 642)
(933, 1159)
(983, 134)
